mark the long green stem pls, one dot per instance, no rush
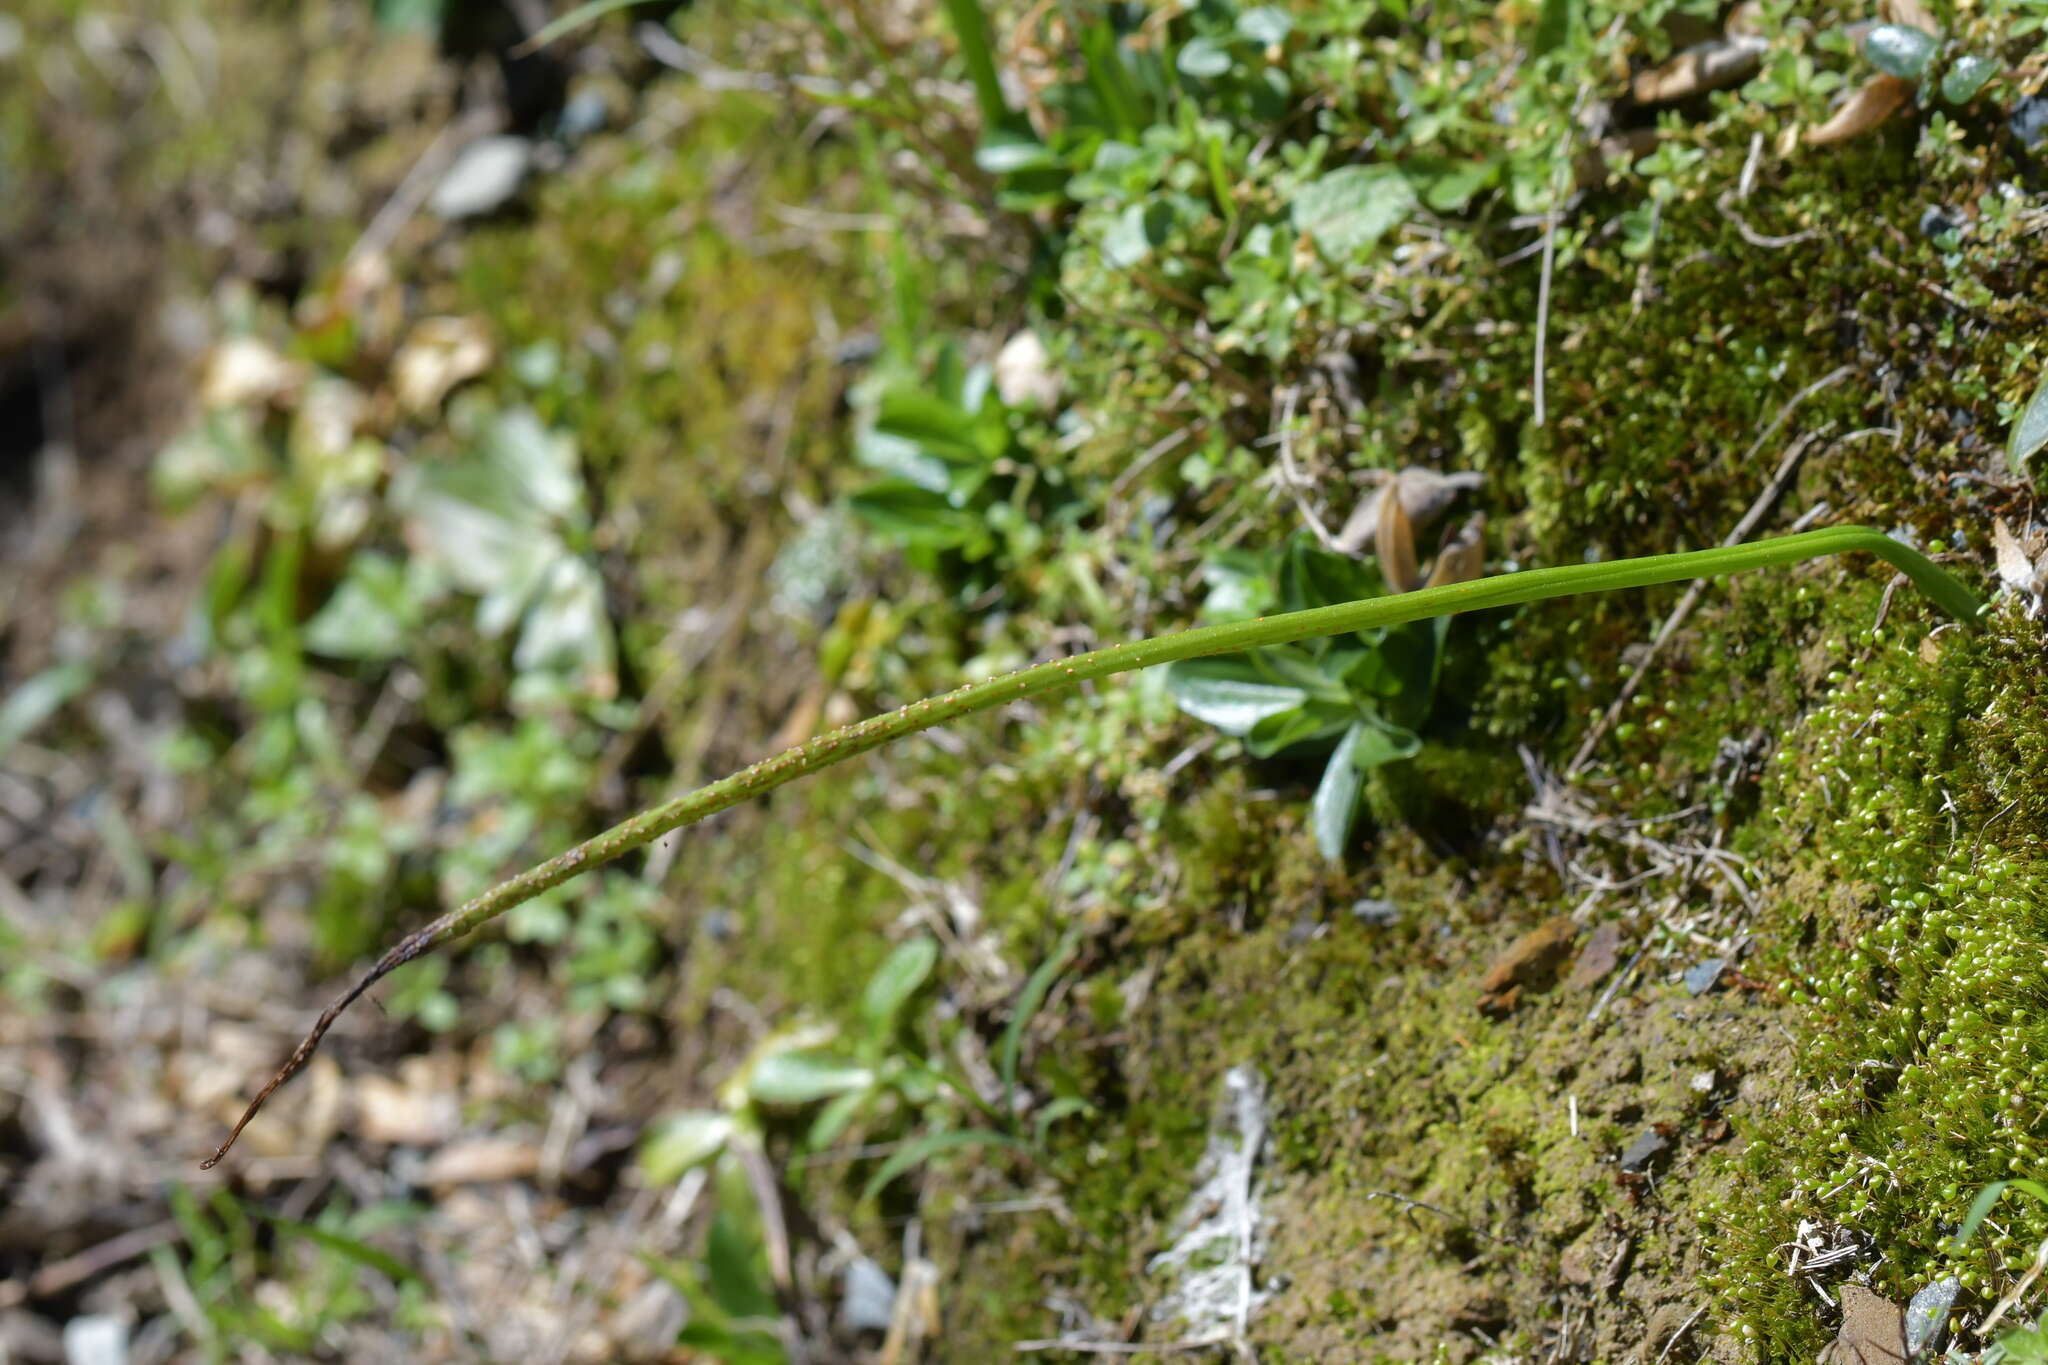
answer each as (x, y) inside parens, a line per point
(839, 745)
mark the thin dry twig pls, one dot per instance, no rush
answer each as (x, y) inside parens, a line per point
(1683, 1328)
(1760, 239)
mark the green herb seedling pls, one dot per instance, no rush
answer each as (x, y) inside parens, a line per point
(1444, 599)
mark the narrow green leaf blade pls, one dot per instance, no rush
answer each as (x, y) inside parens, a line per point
(1029, 999)
(789, 1079)
(978, 50)
(919, 1150)
(581, 17)
(349, 1248)
(1553, 26)
(896, 980)
(1333, 812)
(2030, 433)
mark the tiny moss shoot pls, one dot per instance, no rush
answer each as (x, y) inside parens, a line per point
(1504, 590)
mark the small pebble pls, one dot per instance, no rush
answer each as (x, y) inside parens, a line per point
(1702, 977)
(95, 1340)
(1927, 1317)
(869, 1300)
(2029, 122)
(1377, 912)
(1644, 1150)
(1937, 220)
(485, 176)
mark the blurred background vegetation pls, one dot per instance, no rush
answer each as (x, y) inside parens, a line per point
(433, 430)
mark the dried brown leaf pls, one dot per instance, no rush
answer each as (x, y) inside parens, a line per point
(1911, 13)
(1710, 66)
(481, 1161)
(1425, 495)
(2022, 561)
(1462, 556)
(1394, 542)
(1871, 105)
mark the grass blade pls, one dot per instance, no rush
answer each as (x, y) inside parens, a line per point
(1028, 1000)
(922, 1149)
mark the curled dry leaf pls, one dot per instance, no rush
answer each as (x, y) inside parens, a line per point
(1425, 496)
(1395, 545)
(481, 1161)
(245, 370)
(1462, 556)
(1871, 105)
(1709, 66)
(1746, 20)
(2022, 559)
(1909, 12)
(438, 354)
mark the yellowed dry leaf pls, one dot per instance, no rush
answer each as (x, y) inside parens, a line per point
(1710, 66)
(1911, 13)
(245, 370)
(1868, 107)
(1425, 496)
(438, 354)
(481, 1161)
(1394, 542)
(2022, 561)
(1463, 556)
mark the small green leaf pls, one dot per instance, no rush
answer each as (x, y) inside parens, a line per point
(1267, 25)
(372, 614)
(1203, 58)
(1988, 1196)
(1553, 26)
(1352, 207)
(976, 36)
(919, 1150)
(833, 1118)
(1899, 50)
(348, 1248)
(1966, 76)
(1138, 229)
(1005, 151)
(1308, 724)
(790, 1079)
(567, 629)
(896, 980)
(736, 1270)
(1379, 742)
(1240, 586)
(1333, 813)
(1064, 1107)
(581, 17)
(409, 16)
(38, 698)
(1311, 576)
(2030, 433)
(916, 516)
(1231, 692)
(678, 1143)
